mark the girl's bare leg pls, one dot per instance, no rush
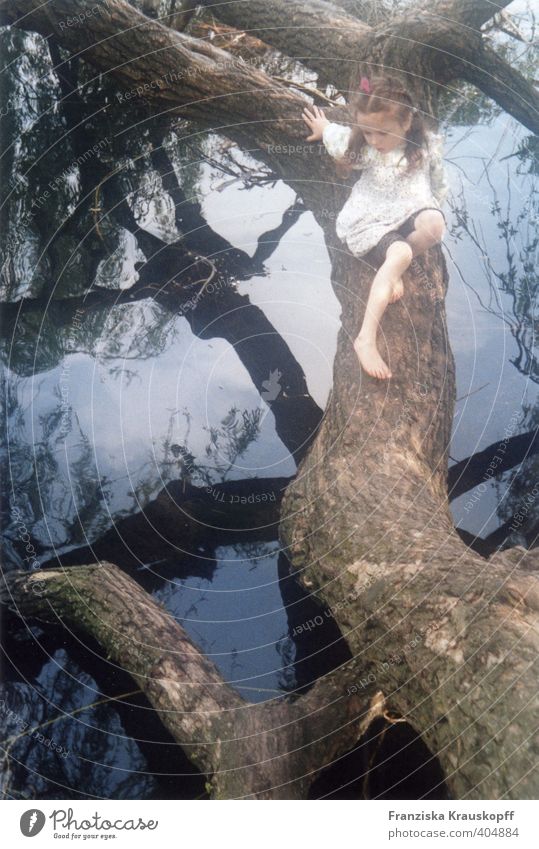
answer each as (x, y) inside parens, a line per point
(429, 228)
(386, 282)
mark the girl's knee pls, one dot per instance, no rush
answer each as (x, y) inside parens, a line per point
(432, 222)
(438, 226)
(399, 252)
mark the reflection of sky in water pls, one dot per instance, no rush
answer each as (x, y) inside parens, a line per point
(298, 301)
(92, 740)
(128, 420)
(129, 408)
(236, 618)
(491, 389)
(295, 294)
(128, 399)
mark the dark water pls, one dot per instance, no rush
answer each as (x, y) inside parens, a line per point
(111, 401)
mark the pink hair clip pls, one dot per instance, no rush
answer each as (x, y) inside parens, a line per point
(365, 85)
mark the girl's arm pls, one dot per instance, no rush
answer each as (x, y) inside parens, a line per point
(335, 138)
(438, 179)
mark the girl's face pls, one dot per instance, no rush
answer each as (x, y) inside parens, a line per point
(383, 130)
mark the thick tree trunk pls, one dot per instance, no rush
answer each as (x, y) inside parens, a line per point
(448, 637)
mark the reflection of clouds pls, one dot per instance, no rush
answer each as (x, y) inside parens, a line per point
(299, 301)
(117, 270)
(210, 379)
(476, 331)
(154, 208)
(112, 458)
(296, 295)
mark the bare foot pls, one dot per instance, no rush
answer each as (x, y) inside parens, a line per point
(386, 287)
(370, 359)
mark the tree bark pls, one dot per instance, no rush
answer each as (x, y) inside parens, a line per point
(504, 84)
(431, 44)
(448, 638)
(471, 13)
(270, 750)
(319, 34)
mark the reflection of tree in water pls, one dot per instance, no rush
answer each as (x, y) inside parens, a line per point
(60, 508)
(516, 217)
(148, 175)
(29, 128)
(227, 443)
(65, 723)
(519, 280)
(137, 331)
(101, 245)
(78, 503)
(52, 466)
(515, 38)
(61, 245)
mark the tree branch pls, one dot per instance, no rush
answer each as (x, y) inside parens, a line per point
(177, 74)
(472, 13)
(504, 23)
(318, 34)
(370, 12)
(171, 69)
(431, 49)
(269, 750)
(186, 689)
(234, 41)
(504, 84)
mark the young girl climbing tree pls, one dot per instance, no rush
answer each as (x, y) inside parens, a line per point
(394, 207)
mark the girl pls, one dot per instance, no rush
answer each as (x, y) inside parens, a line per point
(395, 205)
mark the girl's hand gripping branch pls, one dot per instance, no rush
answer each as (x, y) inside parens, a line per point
(316, 122)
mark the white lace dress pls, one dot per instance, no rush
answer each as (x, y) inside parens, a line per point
(385, 195)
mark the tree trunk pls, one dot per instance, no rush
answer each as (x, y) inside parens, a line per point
(444, 637)
(448, 637)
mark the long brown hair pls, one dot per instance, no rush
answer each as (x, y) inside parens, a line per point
(385, 93)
